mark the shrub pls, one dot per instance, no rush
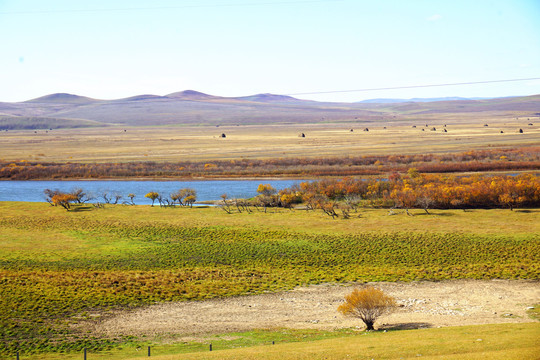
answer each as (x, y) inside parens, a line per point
(367, 304)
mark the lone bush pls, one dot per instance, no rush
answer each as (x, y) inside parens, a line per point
(367, 304)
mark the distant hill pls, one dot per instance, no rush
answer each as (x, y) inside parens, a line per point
(62, 98)
(191, 95)
(270, 98)
(142, 98)
(394, 101)
(193, 107)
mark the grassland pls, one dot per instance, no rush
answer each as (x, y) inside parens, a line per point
(203, 143)
(61, 270)
(56, 267)
(464, 343)
(500, 341)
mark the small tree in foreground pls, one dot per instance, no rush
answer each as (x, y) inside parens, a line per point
(367, 304)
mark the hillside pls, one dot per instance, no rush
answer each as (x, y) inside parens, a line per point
(195, 108)
(37, 123)
(62, 98)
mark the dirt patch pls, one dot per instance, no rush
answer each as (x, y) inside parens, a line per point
(422, 304)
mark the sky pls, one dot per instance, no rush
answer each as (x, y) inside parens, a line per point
(110, 49)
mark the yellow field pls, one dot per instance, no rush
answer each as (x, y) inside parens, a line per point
(113, 144)
(494, 342)
(472, 342)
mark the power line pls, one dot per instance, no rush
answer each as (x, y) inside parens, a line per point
(245, 4)
(412, 86)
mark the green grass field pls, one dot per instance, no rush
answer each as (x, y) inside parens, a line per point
(56, 266)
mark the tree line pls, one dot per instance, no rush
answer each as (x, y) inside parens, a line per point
(412, 190)
(415, 190)
(516, 159)
(182, 197)
(341, 197)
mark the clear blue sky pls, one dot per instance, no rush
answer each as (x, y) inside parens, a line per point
(114, 48)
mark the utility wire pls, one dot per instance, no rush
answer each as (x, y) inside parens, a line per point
(412, 86)
(245, 4)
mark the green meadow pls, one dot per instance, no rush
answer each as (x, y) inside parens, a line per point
(56, 266)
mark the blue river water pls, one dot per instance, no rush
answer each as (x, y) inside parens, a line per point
(207, 190)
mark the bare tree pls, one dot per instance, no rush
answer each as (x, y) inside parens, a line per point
(425, 202)
(117, 198)
(105, 197)
(80, 195)
(224, 204)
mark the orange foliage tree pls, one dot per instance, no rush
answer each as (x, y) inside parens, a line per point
(64, 200)
(367, 304)
(267, 195)
(426, 191)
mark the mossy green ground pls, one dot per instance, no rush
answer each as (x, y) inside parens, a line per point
(57, 265)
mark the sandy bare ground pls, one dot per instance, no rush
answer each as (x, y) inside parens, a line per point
(422, 304)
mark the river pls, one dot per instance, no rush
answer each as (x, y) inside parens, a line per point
(207, 190)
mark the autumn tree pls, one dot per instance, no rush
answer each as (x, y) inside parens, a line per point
(404, 197)
(190, 196)
(266, 189)
(511, 200)
(185, 197)
(64, 200)
(266, 197)
(152, 195)
(413, 173)
(367, 304)
(49, 194)
(288, 197)
(177, 197)
(329, 207)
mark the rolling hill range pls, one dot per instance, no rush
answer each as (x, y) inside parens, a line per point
(195, 108)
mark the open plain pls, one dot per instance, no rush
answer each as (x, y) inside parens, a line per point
(189, 126)
(203, 143)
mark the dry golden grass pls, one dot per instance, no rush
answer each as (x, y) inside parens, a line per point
(203, 143)
(471, 342)
(478, 342)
